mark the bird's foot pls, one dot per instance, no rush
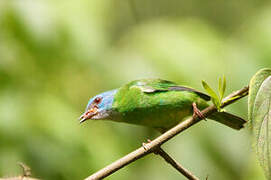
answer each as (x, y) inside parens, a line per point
(197, 112)
(144, 144)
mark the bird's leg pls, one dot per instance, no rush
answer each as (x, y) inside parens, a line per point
(197, 112)
(144, 144)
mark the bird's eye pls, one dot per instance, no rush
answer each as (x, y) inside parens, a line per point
(97, 100)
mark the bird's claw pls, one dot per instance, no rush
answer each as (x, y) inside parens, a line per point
(144, 144)
(197, 112)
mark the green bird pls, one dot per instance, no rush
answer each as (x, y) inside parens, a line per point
(155, 103)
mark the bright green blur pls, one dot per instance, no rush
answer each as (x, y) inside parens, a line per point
(55, 55)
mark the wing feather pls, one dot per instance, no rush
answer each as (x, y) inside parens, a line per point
(159, 85)
(182, 88)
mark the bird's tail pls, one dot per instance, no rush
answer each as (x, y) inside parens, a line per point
(228, 119)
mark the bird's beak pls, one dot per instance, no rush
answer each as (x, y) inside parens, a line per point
(88, 114)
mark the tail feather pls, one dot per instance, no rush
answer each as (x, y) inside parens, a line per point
(228, 119)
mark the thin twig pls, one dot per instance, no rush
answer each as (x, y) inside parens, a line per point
(26, 169)
(150, 147)
(175, 164)
(18, 178)
(25, 176)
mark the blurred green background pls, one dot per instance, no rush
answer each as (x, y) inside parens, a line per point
(55, 55)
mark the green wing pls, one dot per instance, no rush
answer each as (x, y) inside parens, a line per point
(159, 85)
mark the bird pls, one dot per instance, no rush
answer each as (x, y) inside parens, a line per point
(154, 103)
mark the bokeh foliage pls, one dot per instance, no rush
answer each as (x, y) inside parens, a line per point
(54, 55)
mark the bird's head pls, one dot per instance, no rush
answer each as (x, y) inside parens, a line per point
(99, 107)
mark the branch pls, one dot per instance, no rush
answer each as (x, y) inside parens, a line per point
(175, 164)
(150, 147)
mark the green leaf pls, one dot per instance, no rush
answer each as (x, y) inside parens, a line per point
(222, 87)
(211, 92)
(232, 98)
(216, 103)
(260, 117)
(254, 85)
